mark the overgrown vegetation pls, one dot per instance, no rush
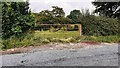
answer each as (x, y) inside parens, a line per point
(100, 26)
(16, 19)
(45, 37)
(1, 44)
(18, 23)
(24, 40)
(110, 9)
(91, 25)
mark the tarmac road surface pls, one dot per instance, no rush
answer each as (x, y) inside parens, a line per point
(105, 55)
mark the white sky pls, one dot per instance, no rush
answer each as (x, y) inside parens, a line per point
(67, 5)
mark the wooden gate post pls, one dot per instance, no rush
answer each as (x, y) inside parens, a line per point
(80, 29)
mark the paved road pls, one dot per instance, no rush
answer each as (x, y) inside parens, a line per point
(97, 56)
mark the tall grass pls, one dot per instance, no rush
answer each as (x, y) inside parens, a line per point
(14, 42)
(1, 43)
(58, 34)
(101, 39)
(44, 37)
(108, 39)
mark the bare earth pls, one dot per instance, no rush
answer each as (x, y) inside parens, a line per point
(63, 54)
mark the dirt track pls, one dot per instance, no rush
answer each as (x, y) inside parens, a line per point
(69, 55)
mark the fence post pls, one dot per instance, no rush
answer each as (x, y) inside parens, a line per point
(80, 29)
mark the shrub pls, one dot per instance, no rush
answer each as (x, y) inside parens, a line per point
(100, 26)
(16, 19)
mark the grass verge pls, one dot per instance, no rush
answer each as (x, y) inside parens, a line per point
(45, 37)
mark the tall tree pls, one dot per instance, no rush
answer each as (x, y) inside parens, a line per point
(76, 16)
(58, 12)
(111, 9)
(87, 12)
(44, 17)
(16, 18)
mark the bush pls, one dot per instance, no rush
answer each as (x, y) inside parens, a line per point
(16, 19)
(100, 26)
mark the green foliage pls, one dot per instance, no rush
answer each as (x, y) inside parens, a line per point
(100, 39)
(94, 25)
(57, 11)
(45, 37)
(1, 43)
(17, 22)
(108, 39)
(110, 9)
(100, 26)
(43, 17)
(55, 16)
(14, 42)
(61, 20)
(58, 34)
(16, 19)
(91, 24)
(76, 16)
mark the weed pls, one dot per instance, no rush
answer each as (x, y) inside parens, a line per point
(60, 36)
